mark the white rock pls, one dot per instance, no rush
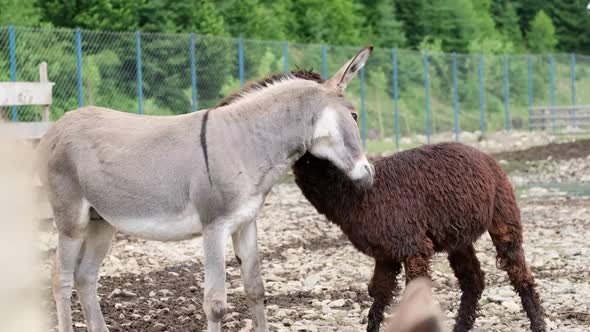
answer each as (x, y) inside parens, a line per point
(311, 280)
(337, 303)
(511, 306)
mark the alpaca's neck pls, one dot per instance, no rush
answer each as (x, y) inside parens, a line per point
(330, 191)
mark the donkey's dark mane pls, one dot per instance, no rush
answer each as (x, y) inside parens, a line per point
(268, 80)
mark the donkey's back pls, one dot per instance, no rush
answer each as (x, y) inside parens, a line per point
(126, 167)
(101, 131)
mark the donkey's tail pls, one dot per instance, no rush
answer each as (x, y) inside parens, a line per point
(40, 178)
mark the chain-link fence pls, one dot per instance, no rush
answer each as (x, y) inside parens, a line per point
(401, 93)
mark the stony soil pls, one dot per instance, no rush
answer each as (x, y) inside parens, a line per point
(563, 163)
(316, 281)
(553, 151)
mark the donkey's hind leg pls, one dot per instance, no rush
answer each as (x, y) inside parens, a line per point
(507, 237)
(71, 221)
(382, 288)
(66, 256)
(96, 246)
(471, 279)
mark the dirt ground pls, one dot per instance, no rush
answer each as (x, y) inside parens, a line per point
(316, 281)
(555, 151)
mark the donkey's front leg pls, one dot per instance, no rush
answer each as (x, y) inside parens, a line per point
(214, 240)
(245, 247)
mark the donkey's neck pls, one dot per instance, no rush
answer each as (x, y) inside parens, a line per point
(268, 131)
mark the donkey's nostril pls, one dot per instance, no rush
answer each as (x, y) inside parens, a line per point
(369, 178)
(362, 174)
(370, 169)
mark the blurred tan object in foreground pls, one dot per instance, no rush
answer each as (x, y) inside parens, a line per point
(417, 311)
(20, 287)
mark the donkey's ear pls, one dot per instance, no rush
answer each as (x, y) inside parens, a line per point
(349, 71)
(417, 311)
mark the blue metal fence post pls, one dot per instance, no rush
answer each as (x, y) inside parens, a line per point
(506, 94)
(286, 57)
(455, 99)
(193, 73)
(427, 96)
(79, 66)
(363, 110)
(12, 46)
(324, 63)
(395, 98)
(552, 78)
(530, 87)
(574, 90)
(139, 76)
(241, 60)
(482, 124)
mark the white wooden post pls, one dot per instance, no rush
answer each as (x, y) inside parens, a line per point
(43, 79)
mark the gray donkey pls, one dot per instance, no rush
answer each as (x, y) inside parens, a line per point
(177, 177)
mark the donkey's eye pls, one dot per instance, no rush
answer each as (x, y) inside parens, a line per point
(354, 116)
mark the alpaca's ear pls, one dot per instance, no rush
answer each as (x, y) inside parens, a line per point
(417, 311)
(349, 71)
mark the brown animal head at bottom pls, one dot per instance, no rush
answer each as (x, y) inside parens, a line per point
(417, 311)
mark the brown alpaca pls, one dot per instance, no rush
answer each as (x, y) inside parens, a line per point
(431, 199)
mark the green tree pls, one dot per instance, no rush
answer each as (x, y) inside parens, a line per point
(541, 36)
(111, 15)
(528, 9)
(409, 12)
(572, 24)
(329, 21)
(453, 22)
(505, 15)
(489, 40)
(382, 26)
(198, 16)
(19, 12)
(253, 19)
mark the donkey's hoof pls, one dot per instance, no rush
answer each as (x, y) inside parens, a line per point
(215, 310)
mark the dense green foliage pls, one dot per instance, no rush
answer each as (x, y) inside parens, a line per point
(456, 25)
(489, 27)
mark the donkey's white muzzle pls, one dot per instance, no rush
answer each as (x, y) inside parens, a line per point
(363, 173)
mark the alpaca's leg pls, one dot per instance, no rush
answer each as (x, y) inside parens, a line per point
(381, 289)
(96, 246)
(417, 266)
(510, 257)
(245, 247)
(471, 279)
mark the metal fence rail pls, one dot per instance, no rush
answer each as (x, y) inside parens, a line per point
(400, 93)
